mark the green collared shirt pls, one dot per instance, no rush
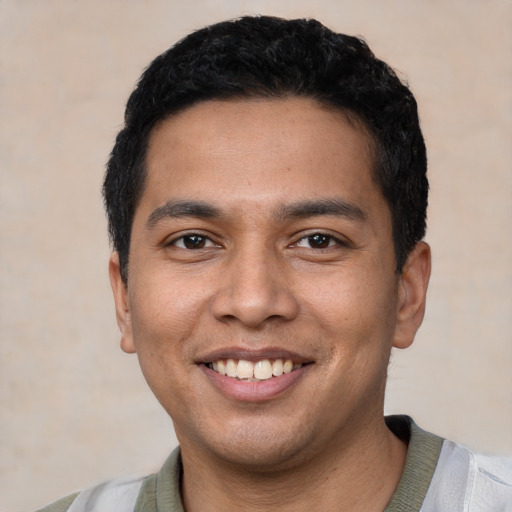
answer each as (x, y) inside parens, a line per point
(160, 492)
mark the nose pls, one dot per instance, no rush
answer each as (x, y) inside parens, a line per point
(254, 290)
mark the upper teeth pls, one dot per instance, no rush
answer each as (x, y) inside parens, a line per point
(260, 370)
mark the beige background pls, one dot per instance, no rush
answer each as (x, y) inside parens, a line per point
(74, 408)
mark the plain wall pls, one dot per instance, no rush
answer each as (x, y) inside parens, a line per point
(74, 408)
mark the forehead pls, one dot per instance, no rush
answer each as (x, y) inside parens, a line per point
(259, 151)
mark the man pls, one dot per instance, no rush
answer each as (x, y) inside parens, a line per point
(267, 201)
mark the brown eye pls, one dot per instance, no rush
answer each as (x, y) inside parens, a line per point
(193, 241)
(319, 241)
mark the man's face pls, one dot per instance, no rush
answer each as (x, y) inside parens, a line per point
(261, 237)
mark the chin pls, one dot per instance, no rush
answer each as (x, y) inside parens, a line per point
(259, 447)
(263, 457)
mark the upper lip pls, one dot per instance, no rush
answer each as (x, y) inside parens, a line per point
(252, 355)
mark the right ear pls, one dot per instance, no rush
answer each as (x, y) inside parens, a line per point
(122, 303)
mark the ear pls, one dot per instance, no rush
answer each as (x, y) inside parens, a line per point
(413, 284)
(122, 303)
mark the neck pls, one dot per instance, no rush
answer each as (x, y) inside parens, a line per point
(360, 472)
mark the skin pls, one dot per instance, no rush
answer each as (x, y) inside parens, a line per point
(258, 283)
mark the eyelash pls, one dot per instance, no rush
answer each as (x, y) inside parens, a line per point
(190, 236)
(332, 241)
(203, 239)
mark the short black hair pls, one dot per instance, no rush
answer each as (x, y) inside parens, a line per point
(268, 57)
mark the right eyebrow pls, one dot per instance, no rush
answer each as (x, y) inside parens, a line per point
(176, 209)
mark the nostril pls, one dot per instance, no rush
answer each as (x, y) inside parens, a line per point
(254, 292)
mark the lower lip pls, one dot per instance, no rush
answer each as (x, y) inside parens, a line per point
(254, 391)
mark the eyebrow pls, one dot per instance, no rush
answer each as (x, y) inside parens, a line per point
(177, 209)
(332, 206)
(297, 210)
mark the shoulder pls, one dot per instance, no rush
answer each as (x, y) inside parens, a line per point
(464, 480)
(141, 494)
(60, 505)
(119, 495)
(491, 482)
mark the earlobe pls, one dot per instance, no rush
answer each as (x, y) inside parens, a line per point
(412, 295)
(122, 304)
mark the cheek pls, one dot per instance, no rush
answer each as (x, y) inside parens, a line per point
(165, 312)
(352, 309)
(164, 320)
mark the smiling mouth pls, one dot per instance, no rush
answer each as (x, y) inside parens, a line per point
(264, 369)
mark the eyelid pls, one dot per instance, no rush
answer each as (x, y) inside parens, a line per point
(336, 238)
(173, 240)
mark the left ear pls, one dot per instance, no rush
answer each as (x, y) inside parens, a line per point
(413, 284)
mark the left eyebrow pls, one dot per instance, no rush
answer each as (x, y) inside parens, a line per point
(178, 209)
(331, 206)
